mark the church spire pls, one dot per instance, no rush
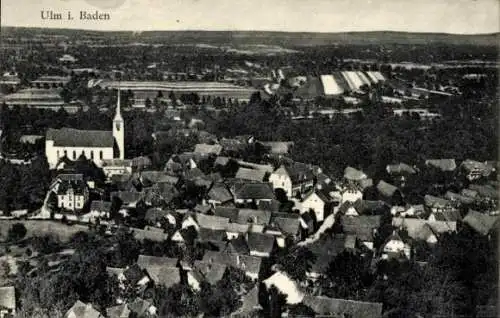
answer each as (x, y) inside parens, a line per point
(118, 114)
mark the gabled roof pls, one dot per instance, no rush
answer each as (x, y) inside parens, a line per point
(326, 249)
(237, 228)
(486, 191)
(133, 274)
(480, 222)
(222, 161)
(299, 172)
(362, 226)
(420, 229)
(400, 168)
(255, 191)
(288, 226)
(272, 205)
(128, 197)
(353, 174)
(448, 215)
(253, 216)
(119, 311)
(211, 272)
(246, 263)
(452, 196)
(250, 174)
(147, 261)
(238, 245)
(227, 212)
(208, 149)
(165, 276)
(209, 235)
(322, 305)
(386, 189)
(82, 310)
(433, 201)
(442, 164)
(249, 303)
(69, 137)
(139, 307)
(287, 286)
(219, 192)
(155, 214)
(157, 176)
(155, 236)
(259, 242)
(7, 297)
(212, 222)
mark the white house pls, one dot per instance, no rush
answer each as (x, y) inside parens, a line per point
(71, 190)
(317, 202)
(96, 145)
(294, 179)
(394, 245)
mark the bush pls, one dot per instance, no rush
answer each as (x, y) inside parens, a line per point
(16, 232)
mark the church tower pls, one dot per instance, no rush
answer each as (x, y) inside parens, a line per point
(119, 130)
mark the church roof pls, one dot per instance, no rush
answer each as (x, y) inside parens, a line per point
(69, 137)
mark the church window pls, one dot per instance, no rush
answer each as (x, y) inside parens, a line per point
(74, 154)
(65, 153)
(58, 154)
(92, 154)
(100, 154)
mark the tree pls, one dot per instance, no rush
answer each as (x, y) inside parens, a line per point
(179, 301)
(16, 232)
(272, 300)
(297, 262)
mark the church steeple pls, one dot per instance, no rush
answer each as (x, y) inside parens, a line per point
(119, 130)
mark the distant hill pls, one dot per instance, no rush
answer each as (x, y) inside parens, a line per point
(288, 39)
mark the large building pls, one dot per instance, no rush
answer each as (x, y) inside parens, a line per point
(96, 145)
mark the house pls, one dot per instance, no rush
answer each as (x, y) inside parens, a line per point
(417, 210)
(252, 216)
(287, 286)
(445, 165)
(216, 238)
(252, 192)
(351, 193)
(249, 264)
(228, 212)
(389, 193)
(237, 245)
(149, 178)
(98, 210)
(294, 179)
(7, 301)
(260, 244)
(354, 175)
(72, 191)
(394, 246)
(446, 215)
(482, 223)
(119, 311)
(208, 149)
(219, 194)
(233, 230)
(158, 216)
(250, 174)
(155, 235)
(249, 304)
(116, 166)
(423, 230)
(458, 199)
(82, 310)
(318, 202)
(285, 225)
(212, 222)
(162, 270)
(141, 163)
(332, 307)
(161, 193)
(436, 204)
(364, 227)
(485, 192)
(127, 199)
(205, 271)
(474, 170)
(400, 169)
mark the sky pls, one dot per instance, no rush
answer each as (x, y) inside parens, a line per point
(448, 16)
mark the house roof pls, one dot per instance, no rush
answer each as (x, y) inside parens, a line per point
(400, 168)
(212, 222)
(120, 311)
(155, 236)
(208, 149)
(157, 176)
(278, 147)
(139, 306)
(486, 191)
(480, 222)
(250, 174)
(261, 217)
(420, 229)
(289, 226)
(433, 201)
(237, 245)
(386, 189)
(147, 261)
(82, 310)
(101, 206)
(472, 165)
(353, 174)
(69, 137)
(127, 197)
(227, 212)
(442, 164)
(448, 215)
(259, 242)
(8, 297)
(222, 161)
(237, 228)
(219, 192)
(163, 275)
(361, 226)
(255, 191)
(287, 286)
(469, 193)
(299, 172)
(211, 272)
(155, 214)
(247, 263)
(326, 249)
(210, 235)
(165, 190)
(368, 206)
(249, 303)
(272, 205)
(133, 273)
(452, 196)
(322, 305)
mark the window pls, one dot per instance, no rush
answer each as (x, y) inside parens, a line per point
(100, 154)
(58, 154)
(74, 155)
(92, 154)
(65, 153)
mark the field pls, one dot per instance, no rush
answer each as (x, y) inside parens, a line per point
(41, 227)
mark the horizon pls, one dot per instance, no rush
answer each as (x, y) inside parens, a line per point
(249, 30)
(461, 17)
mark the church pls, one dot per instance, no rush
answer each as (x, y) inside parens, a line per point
(96, 145)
